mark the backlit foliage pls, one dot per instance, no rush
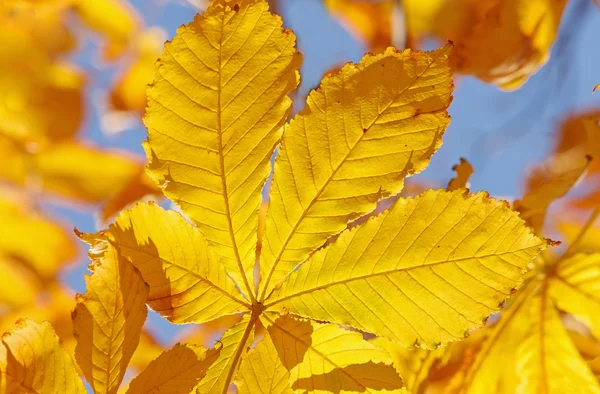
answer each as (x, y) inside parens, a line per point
(545, 340)
(499, 41)
(296, 253)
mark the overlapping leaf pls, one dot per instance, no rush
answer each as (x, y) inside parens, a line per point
(33, 360)
(187, 281)
(109, 317)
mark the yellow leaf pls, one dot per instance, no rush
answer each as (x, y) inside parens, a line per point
(139, 186)
(506, 41)
(109, 317)
(263, 372)
(233, 347)
(55, 306)
(547, 183)
(327, 358)
(527, 351)
(129, 90)
(426, 272)
(371, 21)
(20, 287)
(589, 348)
(42, 101)
(361, 133)
(21, 227)
(590, 242)
(433, 371)
(187, 281)
(175, 371)
(116, 20)
(597, 87)
(463, 170)
(575, 288)
(32, 360)
(214, 119)
(547, 360)
(84, 172)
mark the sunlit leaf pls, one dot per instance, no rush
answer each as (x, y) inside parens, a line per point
(175, 371)
(547, 183)
(215, 115)
(115, 20)
(262, 371)
(187, 282)
(109, 317)
(575, 288)
(354, 143)
(327, 358)
(463, 170)
(435, 266)
(32, 360)
(233, 346)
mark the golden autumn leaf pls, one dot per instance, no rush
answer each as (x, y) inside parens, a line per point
(108, 318)
(427, 271)
(129, 89)
(381, 267)
(528, 349)
(32, 359)
(580, 134)
(499, 41)
(263, 372)
(463, 170)
(21, 226)
(207, 77)
(115, 20)
(175, 371)
(70, 169)
(371, 21)
(327, 358)
(547, 183)
(107, 324)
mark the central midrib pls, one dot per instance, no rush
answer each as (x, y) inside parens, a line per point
(222, 168)
(387, 272)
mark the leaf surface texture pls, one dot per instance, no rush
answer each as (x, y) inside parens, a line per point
(215, 113)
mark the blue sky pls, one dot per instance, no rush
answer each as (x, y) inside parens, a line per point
(501, 133)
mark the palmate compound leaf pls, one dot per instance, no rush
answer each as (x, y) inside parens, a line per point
(215, 112)
(32, 360)
(362, 132)
(108, 319)
(425, 272)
